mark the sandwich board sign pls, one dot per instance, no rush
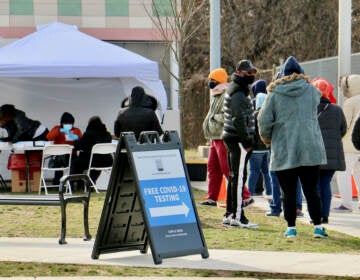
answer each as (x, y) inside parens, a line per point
(149, 201)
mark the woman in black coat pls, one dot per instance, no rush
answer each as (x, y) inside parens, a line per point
(95, 133)
(333, 127)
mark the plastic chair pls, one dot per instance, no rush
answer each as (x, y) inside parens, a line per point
(101, 149)
(48, 154)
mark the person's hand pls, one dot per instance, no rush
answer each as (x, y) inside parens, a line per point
(64, 130)
(249, 149)
(73, 137)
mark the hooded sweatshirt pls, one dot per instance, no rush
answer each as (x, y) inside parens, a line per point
(288, 121)
(136, 118)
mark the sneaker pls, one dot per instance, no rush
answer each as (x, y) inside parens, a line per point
(208, 202)
(272, 214)
(247, 202)
(320, 233)
(243, 224)
(226, 220)
(290, 233)
(299, 213)
(342, 208)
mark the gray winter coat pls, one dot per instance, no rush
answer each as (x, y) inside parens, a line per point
(288, 120)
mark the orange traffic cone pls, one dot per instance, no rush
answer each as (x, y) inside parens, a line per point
(355, 193)
(222, 194)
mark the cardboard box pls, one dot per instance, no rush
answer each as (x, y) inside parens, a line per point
(18, 180)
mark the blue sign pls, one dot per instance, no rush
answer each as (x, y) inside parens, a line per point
(167, 201)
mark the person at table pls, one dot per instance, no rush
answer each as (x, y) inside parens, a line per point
(19, 126)
(65, 133)
(96, 132)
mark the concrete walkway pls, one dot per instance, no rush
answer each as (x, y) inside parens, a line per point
(47, 250)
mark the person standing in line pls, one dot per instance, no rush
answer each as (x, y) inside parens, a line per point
(239, 129)
(288, 121)
(355, 136)
(350, 87)
(260, 156)
(333, 128)
(217, 165)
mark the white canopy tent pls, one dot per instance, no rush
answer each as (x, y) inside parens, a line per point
(58, 69)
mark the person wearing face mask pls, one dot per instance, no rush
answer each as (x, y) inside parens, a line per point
(65, 133)
(217, 165)
(239, 128)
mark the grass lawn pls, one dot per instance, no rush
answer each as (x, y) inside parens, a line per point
(41, 221)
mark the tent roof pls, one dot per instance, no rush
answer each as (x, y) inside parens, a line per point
(59, 50)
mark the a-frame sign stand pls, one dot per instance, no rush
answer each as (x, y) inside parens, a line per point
(149, 201)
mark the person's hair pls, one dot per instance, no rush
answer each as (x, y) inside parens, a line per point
(8, 110)
(67, 118)
(95, 123)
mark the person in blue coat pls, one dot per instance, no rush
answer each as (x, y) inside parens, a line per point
(288, 121)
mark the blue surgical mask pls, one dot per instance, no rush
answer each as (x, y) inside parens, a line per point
(67, 127)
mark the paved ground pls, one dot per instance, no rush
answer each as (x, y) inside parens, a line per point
(47, 250)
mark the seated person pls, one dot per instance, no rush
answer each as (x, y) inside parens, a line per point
(139, 115)
(95, 133)
(19, 126)
(65, 133)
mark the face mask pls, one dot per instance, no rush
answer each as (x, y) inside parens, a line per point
(248, 79)
(67, 127)
(212, 84)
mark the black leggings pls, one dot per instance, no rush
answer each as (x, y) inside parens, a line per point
(308, 176)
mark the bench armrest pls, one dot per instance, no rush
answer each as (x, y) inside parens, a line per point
(74, 177)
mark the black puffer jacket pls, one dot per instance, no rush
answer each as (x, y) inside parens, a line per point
(333, 128)
(136, 117)
(21, 128)
(239, 125)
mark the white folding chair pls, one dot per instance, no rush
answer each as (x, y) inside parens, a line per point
(49, 152)
(101, 149)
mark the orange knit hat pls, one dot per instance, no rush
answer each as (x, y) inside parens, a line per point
(219, 75)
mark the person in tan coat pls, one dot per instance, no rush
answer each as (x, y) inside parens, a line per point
(350, 88)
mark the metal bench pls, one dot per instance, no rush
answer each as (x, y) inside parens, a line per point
(57, 200)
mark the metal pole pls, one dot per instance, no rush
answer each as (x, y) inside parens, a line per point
(215, 36)
(344, 51)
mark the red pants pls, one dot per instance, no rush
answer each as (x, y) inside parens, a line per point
(218, 168)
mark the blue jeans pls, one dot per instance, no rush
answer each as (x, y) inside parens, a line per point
(275, 203)
(324, 189)
(259, 162)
